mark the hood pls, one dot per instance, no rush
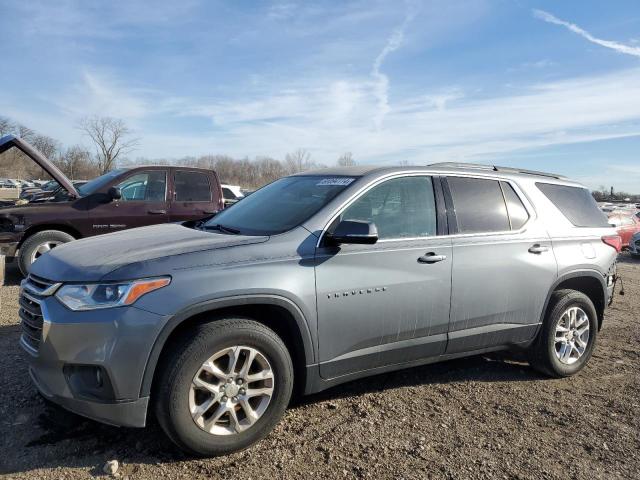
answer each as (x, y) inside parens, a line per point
(12, 141)
(92, 258)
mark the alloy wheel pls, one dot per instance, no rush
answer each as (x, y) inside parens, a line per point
(231, 390)
(44, 248)
(571, 335)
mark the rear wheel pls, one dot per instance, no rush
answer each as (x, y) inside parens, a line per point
(223, 386)
(38, 244)
(568, 335)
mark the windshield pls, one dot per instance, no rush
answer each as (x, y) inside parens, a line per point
(281, 205)
(99, 182)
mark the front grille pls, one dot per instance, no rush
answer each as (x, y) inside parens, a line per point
(31, 315)
(33, 291)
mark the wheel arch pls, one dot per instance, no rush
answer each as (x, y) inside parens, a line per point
(589, 282)
(49, 226)
(278, 313)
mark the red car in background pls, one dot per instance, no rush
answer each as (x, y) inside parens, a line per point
(626, 224)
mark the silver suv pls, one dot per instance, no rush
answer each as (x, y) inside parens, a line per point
(314, 280)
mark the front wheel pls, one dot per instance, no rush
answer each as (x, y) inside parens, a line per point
(38, 244)
(223, 386)
(568, 335)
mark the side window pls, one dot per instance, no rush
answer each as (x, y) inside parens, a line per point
(479, 205)
(518, 215)
(144, 186)
(228, 194)
(192, 187)
(400, 208)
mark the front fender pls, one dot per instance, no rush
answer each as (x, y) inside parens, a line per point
(217, 304)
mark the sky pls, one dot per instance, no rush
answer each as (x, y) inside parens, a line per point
(545, 85)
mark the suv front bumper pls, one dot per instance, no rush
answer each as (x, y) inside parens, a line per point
(131, 413)
(116, 342)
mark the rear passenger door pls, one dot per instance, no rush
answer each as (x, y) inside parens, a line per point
(503, 264)
(192, 197)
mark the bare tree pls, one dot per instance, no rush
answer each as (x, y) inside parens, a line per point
(24, 132)
(6, 126)
(76, 163)
(111, 137)
(298, 161)
(346, 160)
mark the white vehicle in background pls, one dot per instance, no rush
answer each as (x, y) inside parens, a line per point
(11, 183)
(231, 194)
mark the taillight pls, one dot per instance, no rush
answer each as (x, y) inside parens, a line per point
(614, 241)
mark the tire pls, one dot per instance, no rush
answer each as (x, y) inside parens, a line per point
(183, 364)
(29, 248)
(545, 353)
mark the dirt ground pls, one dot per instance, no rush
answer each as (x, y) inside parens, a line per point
(9, 193)
(481, 417)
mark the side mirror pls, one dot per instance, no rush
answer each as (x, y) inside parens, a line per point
(354, 231)
(114, 193)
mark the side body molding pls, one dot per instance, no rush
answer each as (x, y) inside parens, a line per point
(219, 303)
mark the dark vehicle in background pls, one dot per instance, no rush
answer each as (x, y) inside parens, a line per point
(118, 200)
(50, 186)
(627, 225)
(45, 195)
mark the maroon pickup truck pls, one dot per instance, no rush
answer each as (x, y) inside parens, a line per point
(123, 198)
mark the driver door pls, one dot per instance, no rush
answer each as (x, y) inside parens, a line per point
(143, 202)
(385, 304)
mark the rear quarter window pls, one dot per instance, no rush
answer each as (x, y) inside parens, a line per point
(575, 203)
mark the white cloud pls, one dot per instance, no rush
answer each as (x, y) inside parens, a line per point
(619, 47)
(381, 81)
(334, 115)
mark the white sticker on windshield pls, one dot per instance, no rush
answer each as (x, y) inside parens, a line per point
(341, 181)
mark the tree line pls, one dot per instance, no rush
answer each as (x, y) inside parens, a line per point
(111, 141)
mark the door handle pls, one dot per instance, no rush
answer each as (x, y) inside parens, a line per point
(537, 249)
(156, 212)
(209, 212)
(431, 258)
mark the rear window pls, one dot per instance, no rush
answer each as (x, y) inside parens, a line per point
(576, 204)
(192, 187)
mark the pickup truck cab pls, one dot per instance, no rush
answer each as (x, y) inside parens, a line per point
(120, 199)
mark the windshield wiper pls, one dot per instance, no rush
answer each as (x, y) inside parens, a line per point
(222, 228)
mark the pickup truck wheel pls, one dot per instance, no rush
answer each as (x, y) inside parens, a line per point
(568, 335)
(39, 244)
(223, 386)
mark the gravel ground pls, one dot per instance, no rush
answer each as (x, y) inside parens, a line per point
(482, 417)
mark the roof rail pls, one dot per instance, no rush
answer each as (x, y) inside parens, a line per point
(494, 168)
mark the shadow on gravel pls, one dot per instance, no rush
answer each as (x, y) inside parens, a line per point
(12, 275)
(493, 367)
(627, 258)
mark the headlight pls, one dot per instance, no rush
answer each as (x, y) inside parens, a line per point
(106, 295)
